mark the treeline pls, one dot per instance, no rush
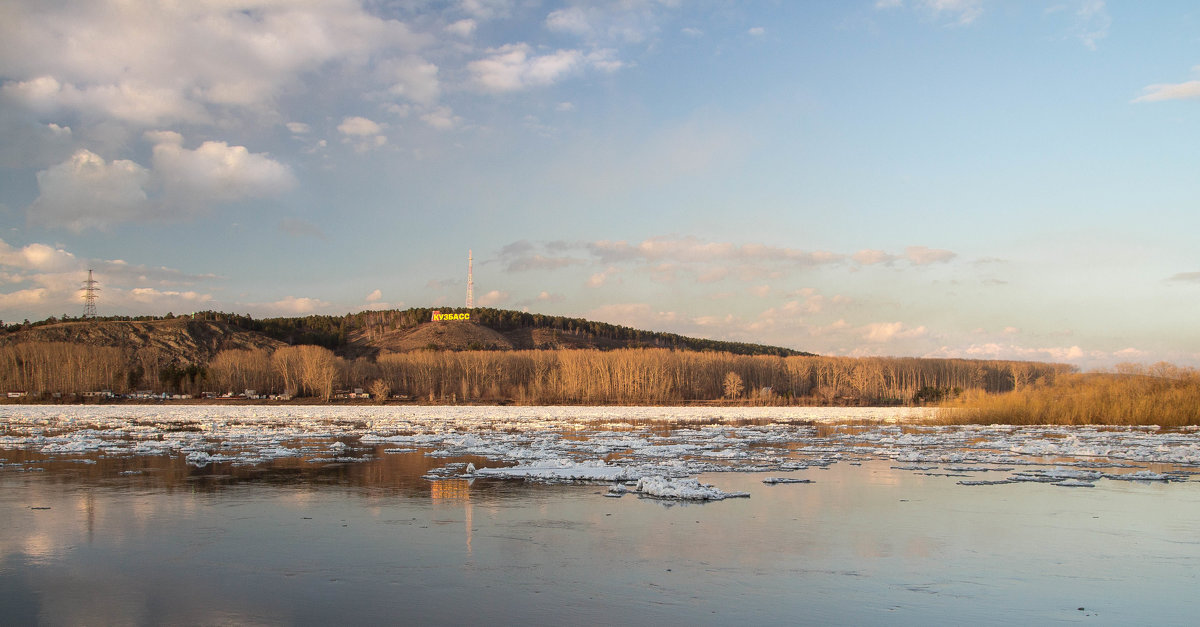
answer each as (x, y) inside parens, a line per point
(624, 376)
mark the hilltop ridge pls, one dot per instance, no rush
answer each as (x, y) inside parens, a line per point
(196, 338)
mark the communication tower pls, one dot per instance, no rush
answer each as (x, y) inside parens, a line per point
(470, 281)
(89, 296)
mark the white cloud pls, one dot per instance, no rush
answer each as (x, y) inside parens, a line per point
(413, 78)
(1187, 277)
(150, 63)
(486, 9)
(86, 191)
(756, 31)
(1189, 90)
(959, 12)
(494, 297)
(48, 279)
(154, 297)
(666, 259)
(356, 126)
(868, 257)
(298, 305)
(374, 296)
(572, 20)
(137, 103)
(298, 128)
(24, 298)
(921, 255)
(694, 250)
(637, 315)
(887, 331)
(1092, 22)
(37, 257)
(609, 22)
(712, 274)
(516, 66)
(522, 263)
(216, 171)
(599, 279)
(441, 118)
(463, 28)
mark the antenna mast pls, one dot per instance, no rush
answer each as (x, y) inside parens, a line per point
(470, 281)
(89, 296)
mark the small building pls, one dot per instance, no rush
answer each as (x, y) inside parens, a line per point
(99, 394)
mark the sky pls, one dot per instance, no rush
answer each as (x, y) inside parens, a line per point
(930, 178)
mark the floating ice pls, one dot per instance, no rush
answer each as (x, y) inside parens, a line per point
(1074, 483)
(1141, 475)
(595, 443)
(686, 489)
(560, 470)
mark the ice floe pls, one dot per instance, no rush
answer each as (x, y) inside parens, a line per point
(683, 489)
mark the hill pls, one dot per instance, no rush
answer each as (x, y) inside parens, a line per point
(370, 333)
(179, 340)
(197, 338)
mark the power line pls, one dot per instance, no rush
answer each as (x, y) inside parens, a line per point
(89, 296)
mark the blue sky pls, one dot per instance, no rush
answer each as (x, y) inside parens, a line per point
(966, 178)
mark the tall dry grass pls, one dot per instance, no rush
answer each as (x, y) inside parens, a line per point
(1162, 394)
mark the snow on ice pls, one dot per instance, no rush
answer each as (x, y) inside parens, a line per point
(606, 444)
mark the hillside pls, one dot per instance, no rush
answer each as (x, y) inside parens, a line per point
(181, 341)
(196, 339)
(373, 332)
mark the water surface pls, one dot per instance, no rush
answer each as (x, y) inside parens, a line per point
(104, 536)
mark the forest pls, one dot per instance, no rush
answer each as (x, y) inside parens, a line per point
(44, 370)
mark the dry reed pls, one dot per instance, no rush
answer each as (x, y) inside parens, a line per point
(1163, 395)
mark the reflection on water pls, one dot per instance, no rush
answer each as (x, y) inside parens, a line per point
(152, 540)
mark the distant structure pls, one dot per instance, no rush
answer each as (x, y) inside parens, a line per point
(89, 296)
(470, 281)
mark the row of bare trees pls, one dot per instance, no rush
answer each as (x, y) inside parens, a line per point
(533, 377)
(585, 376)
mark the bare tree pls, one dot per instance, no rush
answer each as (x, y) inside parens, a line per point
(733, 385)
(380, 390)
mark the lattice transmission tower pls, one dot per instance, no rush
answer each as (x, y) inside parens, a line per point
(89, 296)
(470, 281)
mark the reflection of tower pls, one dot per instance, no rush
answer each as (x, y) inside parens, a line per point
(89, 296)
(470, 282)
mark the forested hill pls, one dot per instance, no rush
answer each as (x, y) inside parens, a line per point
(370, 332)
(364, 334)
(403, 354)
